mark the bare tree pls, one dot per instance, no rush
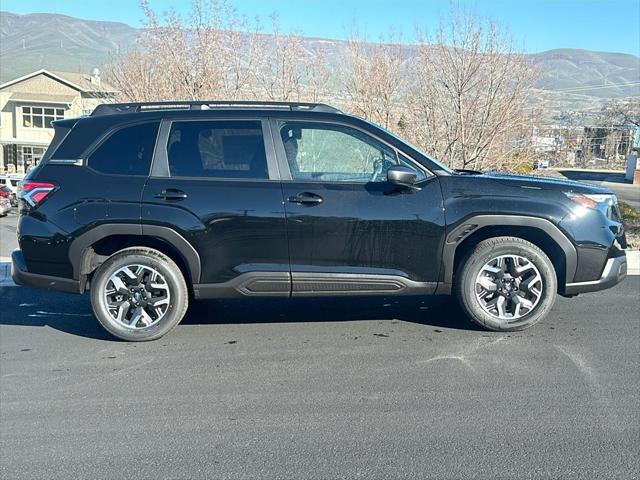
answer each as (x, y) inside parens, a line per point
(373, 78)
(209, 54)
(462, 96)
(317, 75)
(470, 89)
(133, 75)
(239, 58)
(280, 72)
(621, 112)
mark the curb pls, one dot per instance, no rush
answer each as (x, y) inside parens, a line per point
(633, 262)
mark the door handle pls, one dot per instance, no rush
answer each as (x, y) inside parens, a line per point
(306, 198)
(171, 194)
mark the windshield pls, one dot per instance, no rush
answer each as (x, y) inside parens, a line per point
(410, 145)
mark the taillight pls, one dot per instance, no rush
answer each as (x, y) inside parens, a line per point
(34, 192)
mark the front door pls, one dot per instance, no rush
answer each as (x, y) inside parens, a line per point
(214, 182)
(349, 230)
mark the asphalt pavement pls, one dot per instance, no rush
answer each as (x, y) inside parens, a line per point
(328, 388)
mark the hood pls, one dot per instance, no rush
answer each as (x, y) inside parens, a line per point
(545, 183)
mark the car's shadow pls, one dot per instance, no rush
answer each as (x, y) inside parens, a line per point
(72, 313)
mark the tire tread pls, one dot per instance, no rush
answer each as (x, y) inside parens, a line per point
(148, 252)
(461, 281)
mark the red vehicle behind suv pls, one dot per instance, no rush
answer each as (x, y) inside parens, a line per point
(5, 200)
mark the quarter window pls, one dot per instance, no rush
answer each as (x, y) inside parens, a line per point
(223, 149)
(336, 153)
(40, 117)
(127, 151)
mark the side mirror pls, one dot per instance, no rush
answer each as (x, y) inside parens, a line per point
(402, 176)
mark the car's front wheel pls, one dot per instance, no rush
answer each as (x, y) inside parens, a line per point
(506, 284)
(139, 294)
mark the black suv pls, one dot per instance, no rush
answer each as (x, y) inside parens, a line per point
(149, 204)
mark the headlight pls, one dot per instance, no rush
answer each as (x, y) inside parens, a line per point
(606, 203)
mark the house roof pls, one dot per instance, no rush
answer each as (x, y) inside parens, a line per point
(78, 81)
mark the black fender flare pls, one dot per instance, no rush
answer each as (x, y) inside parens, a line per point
(475, 223)
(79, 246)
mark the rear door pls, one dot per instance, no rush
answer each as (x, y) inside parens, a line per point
(215, 182)
(97, 184)
(349, 230)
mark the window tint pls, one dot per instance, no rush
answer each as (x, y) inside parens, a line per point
(335, 153)
(225, 149)
(127, 151)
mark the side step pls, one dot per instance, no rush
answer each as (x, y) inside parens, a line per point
(301, 284)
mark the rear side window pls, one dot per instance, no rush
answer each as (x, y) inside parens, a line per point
(223, 149)
(127, 151)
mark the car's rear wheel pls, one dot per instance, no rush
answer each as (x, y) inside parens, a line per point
(506, 284)
(139, 294)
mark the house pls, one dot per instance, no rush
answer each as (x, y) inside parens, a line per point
(30, 103)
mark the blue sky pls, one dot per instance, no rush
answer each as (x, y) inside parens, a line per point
(536, 25)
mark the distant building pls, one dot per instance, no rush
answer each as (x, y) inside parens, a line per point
(609, 142)
(546, 144)
(30, 103)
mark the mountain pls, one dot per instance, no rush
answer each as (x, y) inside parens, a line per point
(584, 72)
(57, 42)
(578, 79)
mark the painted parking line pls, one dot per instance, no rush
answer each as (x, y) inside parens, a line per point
(5, 274)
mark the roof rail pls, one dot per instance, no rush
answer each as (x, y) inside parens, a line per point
(115, 108)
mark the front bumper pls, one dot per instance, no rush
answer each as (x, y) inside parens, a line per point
(21, 276)
(615, 270)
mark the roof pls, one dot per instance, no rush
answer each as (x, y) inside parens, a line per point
(79, 81)
(41, 98)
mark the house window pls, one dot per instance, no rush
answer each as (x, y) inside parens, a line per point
(31, 155)
(40, 117)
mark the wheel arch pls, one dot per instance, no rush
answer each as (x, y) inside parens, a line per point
(92, 248)
(539, 231)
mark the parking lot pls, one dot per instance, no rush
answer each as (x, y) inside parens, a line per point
(330, 388)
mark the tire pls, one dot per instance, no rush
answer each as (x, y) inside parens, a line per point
(152, 286)
(524, 270)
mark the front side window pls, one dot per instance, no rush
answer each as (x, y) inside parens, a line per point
(127, 151)
(219, 149)
(336, 153)
(40, 117)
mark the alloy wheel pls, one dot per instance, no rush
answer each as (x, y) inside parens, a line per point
(137, 296)
(508, 287)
